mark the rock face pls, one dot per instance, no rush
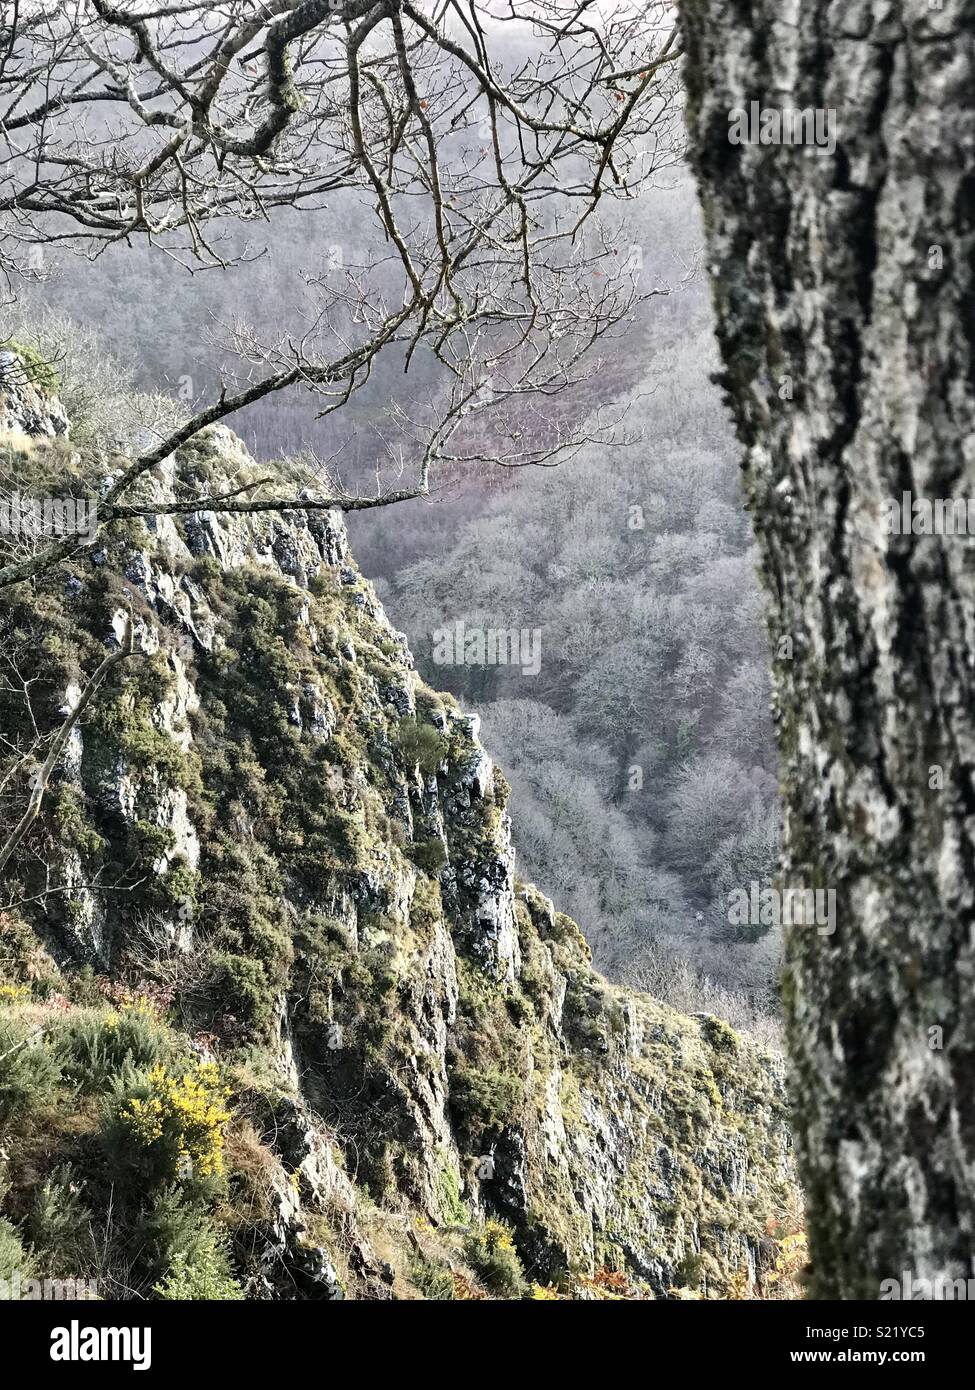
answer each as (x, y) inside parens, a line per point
(26, 409)
(317, 849)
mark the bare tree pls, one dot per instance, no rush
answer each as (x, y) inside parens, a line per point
(843, 287)
(182, 121)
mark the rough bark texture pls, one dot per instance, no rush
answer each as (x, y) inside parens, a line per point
(824, 274)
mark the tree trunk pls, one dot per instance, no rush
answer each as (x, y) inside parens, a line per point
(843, 285)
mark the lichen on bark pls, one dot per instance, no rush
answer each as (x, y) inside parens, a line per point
(843, 293)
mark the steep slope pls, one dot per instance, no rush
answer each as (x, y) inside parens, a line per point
(275, 867)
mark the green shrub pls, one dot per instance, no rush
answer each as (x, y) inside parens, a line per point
(342, 841)
(492, 1255)
(121, 725)
(164, 1125)
(719, 1034)
(429, 855)
(486, 1097)
(174, 1225)
(452, 1209)
(13, 1257)
(93, 1050)
(420, 744)
(69, 817)
(429, 704)
(82, 987)
(204, 1277)
(241, 987)
(59, 1225)
(149, 842)
(22, 957)
(29, 1069)
(434, 1281)
(501, 789)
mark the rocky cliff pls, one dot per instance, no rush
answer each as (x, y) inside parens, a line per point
(273, 894)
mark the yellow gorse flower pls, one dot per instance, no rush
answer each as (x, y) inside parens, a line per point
(187, 1113)
(496, 1237)
(139, 1006)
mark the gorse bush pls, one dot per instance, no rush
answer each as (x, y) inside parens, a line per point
(93, 1049)
(82, 1080)
(186, 1250)
(23, 960)
(29, 1068)
(452, 1209)
(175, 1223)
(492, 1255)
(13, 1257)
(240, 986)
(59, 1224)
(207, 1277)
(170, 1126)
(435, 1282)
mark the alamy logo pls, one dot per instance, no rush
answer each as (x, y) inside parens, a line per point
(460, 645)
(771, 907)
(772, 125)
(34, 518)
(913, 1289)
(19, 1290)
(77, 1343)
(923, 516)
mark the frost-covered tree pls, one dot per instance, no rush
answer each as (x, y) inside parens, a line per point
(480, 171)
